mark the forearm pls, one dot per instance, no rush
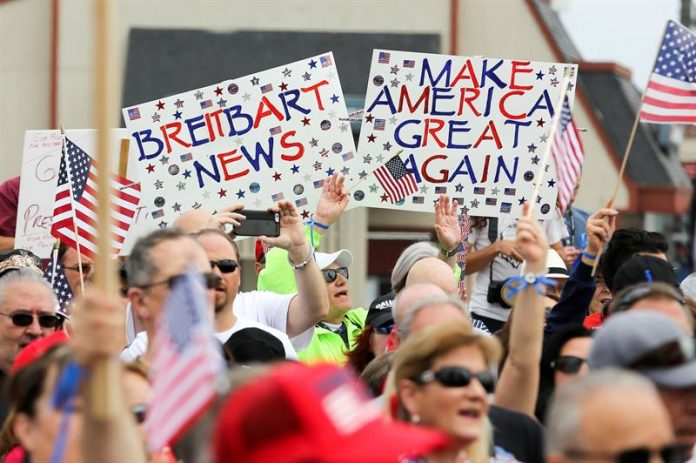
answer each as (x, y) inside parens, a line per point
(6, 242)
(519, 380)
(478, 260)
(311, 303)
(575, 298)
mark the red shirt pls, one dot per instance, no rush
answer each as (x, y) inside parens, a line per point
(9, 199)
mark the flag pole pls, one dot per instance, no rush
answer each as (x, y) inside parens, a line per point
(74, 217)
(547, 149)
(627, 151)
(105, 374)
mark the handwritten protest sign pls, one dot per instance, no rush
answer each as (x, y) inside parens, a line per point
(40, 166)
(272, 135)
(472, 128)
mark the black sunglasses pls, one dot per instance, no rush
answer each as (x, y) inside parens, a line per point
(225, 265)
(24, 319)
(330, 274)
(139, 411)
(212, 281)
(457, 377)
(568, 364)
(672, 453)
(386, 328)
(671, 354)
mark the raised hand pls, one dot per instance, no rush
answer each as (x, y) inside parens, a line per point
(292, 234)
(532, 243)
(226, 216)
(447, 223)
(600, 228)
(333, 200)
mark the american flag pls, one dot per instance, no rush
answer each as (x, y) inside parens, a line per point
(568, 155)
(326, 61)
(384, 57)
(397, 182)
(186, 362)
(671, 93)
(79, 211)
(55, 276)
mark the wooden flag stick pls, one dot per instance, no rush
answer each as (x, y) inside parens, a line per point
(105, 374)
(123, 157)
(74, 217)
(549, 143)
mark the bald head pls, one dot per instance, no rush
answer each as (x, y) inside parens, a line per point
(411, 294)
(193, 221)
(432, 270)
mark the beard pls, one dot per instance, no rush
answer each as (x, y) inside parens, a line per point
(221, 302)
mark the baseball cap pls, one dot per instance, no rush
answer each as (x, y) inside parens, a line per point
(380, 311)
(37, 348)
(648, 342)
(254, 345)
(342, 258)
(20, 259)
(260, 250)
(321, 413)
(642, 269)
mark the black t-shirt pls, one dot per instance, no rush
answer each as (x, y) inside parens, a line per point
(517, 433)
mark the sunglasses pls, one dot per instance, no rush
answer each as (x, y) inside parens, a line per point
(225, 265)
(457, 377)
(568, 364)
(212, 281)
(24, 319)
(672, 453)
(330, 274)
(386, 328)
(139, 411)
(671, 354)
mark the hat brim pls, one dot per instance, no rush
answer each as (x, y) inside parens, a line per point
(384, 316)
(342, 258)
(681, 377)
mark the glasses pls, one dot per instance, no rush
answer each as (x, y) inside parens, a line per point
(24, 319)
(568, 364)
(386, 328)
(330, 274)
(86, 268)
(212, 281)
(672, 453)
(139, 411)
(671, 354)
(225, 265)
(457, 377)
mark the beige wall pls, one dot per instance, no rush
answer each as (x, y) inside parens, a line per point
(24, 67)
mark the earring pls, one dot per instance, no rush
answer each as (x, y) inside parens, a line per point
(415, 418)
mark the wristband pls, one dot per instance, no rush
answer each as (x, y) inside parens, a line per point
(318, 224)
(588, 255)
(517, 284)
(303, 264)
(447, 253)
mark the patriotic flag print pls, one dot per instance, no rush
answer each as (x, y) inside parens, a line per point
(568, 155)
(440, 190)
(671, 94)
(275, 130)
(380, 123)
(186, 362)
(206, 104)
(134, 114)
(409, 63)
(55, 276)
(75, 207)
(325, 61)
(266, 88)
(384, 57)
(397, 181)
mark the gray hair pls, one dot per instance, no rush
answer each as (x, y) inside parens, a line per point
(564, 416)
(140, 266)
(23, 275)
(408, 257)
(412, 310)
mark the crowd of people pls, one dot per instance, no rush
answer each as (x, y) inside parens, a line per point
(571, 345)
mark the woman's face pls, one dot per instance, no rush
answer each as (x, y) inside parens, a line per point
(138, 395)
(38, 435)
(573, 353)
(459, 411)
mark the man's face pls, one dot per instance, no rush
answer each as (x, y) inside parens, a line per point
(26, 296)
(338, 291)
(601, 296)
(171, 258)
(681, 405)
(71, 264)
(218, 248)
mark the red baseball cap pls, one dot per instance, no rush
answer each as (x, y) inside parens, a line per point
(318, 413)
(37, 348)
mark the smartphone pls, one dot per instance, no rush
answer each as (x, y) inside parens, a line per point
(258, 223)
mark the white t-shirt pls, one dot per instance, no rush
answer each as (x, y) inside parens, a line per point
(246, 323)
(503, 267)
(270, 309)
(135, 349)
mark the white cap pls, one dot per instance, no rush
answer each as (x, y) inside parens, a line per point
(342, 258)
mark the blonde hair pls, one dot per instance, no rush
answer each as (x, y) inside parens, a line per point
(424, 347)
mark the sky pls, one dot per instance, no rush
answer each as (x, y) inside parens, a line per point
(623, 31)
